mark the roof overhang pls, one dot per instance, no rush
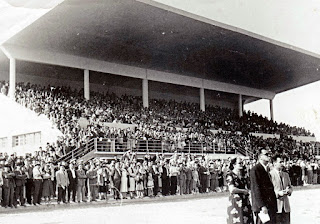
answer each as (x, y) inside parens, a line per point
(163, 44)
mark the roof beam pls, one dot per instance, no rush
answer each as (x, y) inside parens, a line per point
(6, 52)
(54, 58)
(226, 26)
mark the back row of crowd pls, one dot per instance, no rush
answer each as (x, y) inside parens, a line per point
(32, 180)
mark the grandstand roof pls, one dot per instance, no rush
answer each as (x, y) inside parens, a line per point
(158, 37)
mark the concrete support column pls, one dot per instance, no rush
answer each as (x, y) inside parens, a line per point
(271, 110)
(12, 82)
(202, 100)
(240, 106)
(145, 93)
(86, 84)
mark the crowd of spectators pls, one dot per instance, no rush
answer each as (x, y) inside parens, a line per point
(176, 124)
(37, 179)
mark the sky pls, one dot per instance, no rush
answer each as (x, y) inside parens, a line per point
(293, 22)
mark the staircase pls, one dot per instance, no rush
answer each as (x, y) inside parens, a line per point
(83, 152)
(245, 152)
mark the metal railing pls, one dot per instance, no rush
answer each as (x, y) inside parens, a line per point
(150, 146)
(116, 145)
(78, 152)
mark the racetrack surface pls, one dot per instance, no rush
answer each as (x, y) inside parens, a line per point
(305, 205)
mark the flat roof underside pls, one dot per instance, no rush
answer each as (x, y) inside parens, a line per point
(134, 33)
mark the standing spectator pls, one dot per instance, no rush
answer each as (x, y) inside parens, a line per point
(203, 177)
(220, 179)
(20, 179)
(62, 183)
(173, 177)
(92, 181)
(282, 188)
(165, 178)
(309, 169)
(132, 183)
(188, 172)
(124, 181)
(37, 181)
(155, 176)
(8, 187)
(296, 174)
(139, 182)
(81, 183)
(29, 180)
(103, 181)
(304, 172)
(72, 187)
(47, 186)
(262, 191)
(195, 178)
(213, 177)
(315, 172)
(182, 179)
(239, 209)
(116, 180)
(1, 182)
(53, 178)
(150, 184)
(318, 173)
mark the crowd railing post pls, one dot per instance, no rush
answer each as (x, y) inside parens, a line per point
(96, 144)
(147, 146)
(201, 145)
(161, 142)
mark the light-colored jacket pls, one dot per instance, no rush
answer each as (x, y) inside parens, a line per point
(1, 179)
(282, 201)
(62, 178)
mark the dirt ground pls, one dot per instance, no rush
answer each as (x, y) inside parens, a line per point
(305, 206)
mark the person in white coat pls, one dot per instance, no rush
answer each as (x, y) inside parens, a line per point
(282, 188)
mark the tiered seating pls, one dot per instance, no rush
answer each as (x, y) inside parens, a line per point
(174, 122)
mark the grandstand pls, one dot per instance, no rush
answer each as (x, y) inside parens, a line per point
(153, 79)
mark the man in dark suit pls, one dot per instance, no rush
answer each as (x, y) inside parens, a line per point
(262, 191)
(72, 188)
(165, 178)
(8, 187)
(29, 180)
(20, 179)
(203, 177)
